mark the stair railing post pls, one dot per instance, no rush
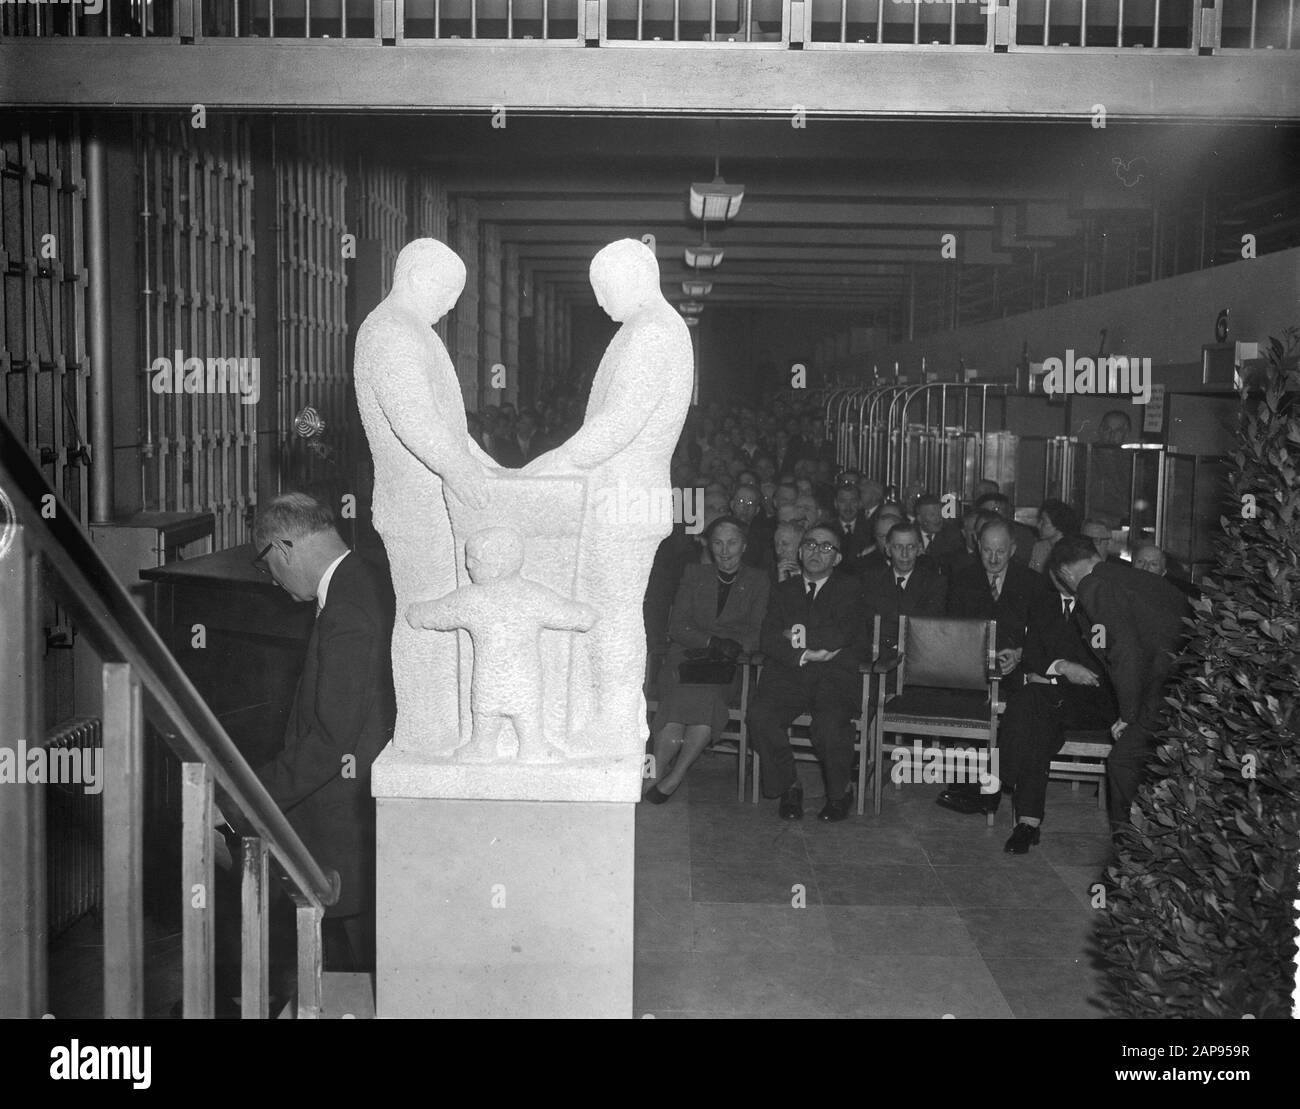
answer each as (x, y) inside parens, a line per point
(122, 768)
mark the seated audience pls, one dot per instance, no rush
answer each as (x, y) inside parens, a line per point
(1141, 618)
(1055, 519)
(849, 523)
(941, 539)
(1066, 688)
(1024, 535)
(716, 616)
(1149, 557)
(908, 586)
(814, 640)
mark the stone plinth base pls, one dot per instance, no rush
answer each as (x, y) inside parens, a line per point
(504, 908)
(412, 774)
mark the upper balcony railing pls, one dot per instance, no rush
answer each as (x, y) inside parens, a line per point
(1169, 26)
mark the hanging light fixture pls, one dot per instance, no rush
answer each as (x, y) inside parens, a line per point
(690, 308)
(705, 256)
(715, 200)
(697, 288)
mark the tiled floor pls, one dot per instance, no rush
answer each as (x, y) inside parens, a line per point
(916, 912)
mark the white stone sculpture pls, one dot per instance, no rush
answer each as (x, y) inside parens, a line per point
(504, 614)
(638, 404)
(414, 415)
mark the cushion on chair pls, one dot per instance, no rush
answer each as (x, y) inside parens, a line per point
(946, 653)
(932, 705)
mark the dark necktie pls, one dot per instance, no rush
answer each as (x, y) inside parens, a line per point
(993, 587)
(1067, 606)
(812, 591)
(902, 584)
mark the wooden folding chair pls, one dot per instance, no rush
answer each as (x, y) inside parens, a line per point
(945, 685)
(734, 739)
(1082, 758)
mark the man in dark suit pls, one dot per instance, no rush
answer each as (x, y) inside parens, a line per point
(907, 586)
(941, 537)
(1153, 560)
(998, 588)
(849, 524)
(1025, 537)
(814, 639)
(342, 714)
(1136, 619)
(1065, 688)
(875, 558)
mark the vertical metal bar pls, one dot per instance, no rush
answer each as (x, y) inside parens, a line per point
(101, 386)
(844, 20)
(510, 19)
(254, 992)
(546, 19)
(1254, 14)
(122, 769)
(952, 26)
(713, 20)
(1047, 21)
(197, 936)
(307, 28)
(640, 20)
(749, 20)
(309, 961)
(473, 19)
(1155, 27)
(23, 911)
(880, 20)
(916, 22)
(1119, 25)
(1083, 25)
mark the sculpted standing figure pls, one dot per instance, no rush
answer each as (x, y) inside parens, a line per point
(411, 407)
(638, 404)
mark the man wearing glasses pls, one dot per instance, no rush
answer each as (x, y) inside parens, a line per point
(342, 716)
(814, 638)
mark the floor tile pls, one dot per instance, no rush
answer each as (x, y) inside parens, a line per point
(722, 929)
(868, 931)
(1034, 886)
(1049, 988)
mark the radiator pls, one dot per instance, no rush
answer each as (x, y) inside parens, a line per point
(74, 863)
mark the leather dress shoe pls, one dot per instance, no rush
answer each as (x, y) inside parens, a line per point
(837, 810)
(969, 803)
(655, 797)
(1022, 838)
(791, 807)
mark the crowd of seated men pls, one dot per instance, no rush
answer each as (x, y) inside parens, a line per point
(791, 562)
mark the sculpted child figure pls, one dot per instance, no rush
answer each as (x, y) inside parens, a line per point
(634, 417)
(504, 614)
(414, 415)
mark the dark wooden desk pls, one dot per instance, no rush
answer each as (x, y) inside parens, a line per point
(254, 637)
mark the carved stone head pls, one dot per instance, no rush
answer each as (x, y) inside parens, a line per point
(625, 277)
(493, 554)
(430, 276)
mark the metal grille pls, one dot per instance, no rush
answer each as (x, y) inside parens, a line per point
(280, 19)
(311, 192)
(1259, 25)
(196, 231)
(695, 21)
(43, 300)
(431, 216)
(465, 316)
(510, 323)
(116, 18)
(890, 23)
(520, 20)
(490, 350)
(382, 214)
(74, 832)
(1154, 24)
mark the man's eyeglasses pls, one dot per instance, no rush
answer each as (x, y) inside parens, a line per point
(904, 548)
(810, 546)
(259, 563)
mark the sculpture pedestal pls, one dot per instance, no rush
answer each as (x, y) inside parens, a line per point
(499, 908)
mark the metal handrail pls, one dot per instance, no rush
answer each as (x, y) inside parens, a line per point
(119, 632)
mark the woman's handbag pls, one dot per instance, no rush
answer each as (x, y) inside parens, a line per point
(704, 667)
